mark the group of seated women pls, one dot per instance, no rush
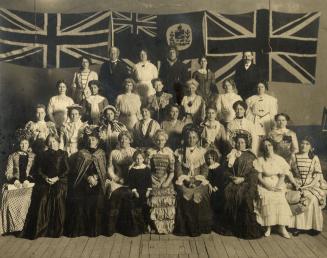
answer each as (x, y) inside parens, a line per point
(149, 165)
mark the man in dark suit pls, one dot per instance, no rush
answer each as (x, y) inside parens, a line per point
(112, 74)
(174, 74)
(247, 76)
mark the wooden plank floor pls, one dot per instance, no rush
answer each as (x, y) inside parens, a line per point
(157, 246)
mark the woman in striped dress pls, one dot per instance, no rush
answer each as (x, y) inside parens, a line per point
(81, 80)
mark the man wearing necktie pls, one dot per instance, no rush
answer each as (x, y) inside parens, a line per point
(112, 74)
(247, 76)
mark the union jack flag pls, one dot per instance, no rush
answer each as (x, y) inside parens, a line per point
(293, 40)
(227, 36)
(53, 40)
(284, 44)
(137, 29)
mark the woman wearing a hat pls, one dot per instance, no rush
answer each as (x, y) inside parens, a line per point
(238, 217)
(87, 191)
(110, 128)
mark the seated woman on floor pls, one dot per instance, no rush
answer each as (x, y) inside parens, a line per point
(17, 190)
(46, 216)
(238, 217)
(194, 214)
(307, 171)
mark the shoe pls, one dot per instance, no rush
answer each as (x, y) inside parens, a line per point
(284, 233)
(313, 232)
(296, 232)
(267, 233)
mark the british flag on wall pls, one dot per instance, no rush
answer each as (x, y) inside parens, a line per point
(132, 32)
(285, 44)
(293, 40)
(53, 40)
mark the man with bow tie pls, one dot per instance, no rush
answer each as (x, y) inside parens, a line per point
(112, 74)
(247, 76)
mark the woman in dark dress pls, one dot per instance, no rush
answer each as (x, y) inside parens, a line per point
(122, 215)
(47, 212)
(238, 217)
(216, 180)
(139, 181)
(86, 198)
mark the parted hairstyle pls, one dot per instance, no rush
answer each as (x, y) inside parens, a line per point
(287, 117)
(241, 103)
(127, 134)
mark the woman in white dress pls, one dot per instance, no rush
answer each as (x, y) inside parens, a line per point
(272, 207)
(307, 171)
(59, 102)
(80, 84)
(128, 105)
(193, 104)
(144, 73)
(262, 109)
(74, 129)
(225, 102)
(95, 103)
(40, 129)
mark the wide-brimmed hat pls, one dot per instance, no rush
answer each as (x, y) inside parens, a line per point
(111, 108)
(75, 106)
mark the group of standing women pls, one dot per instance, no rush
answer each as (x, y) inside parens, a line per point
(145, 163)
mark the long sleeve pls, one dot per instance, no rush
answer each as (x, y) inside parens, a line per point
(295, 143)
(50, 110)
(64, 166)
(10, 169)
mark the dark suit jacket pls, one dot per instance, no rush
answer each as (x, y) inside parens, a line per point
(247, 80)
(112, 77)
(174, 78)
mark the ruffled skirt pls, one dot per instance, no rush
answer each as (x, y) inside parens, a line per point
(162, 204)
(272, 208)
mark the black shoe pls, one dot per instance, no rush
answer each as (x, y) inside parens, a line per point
(296, 232)
(313, 232)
